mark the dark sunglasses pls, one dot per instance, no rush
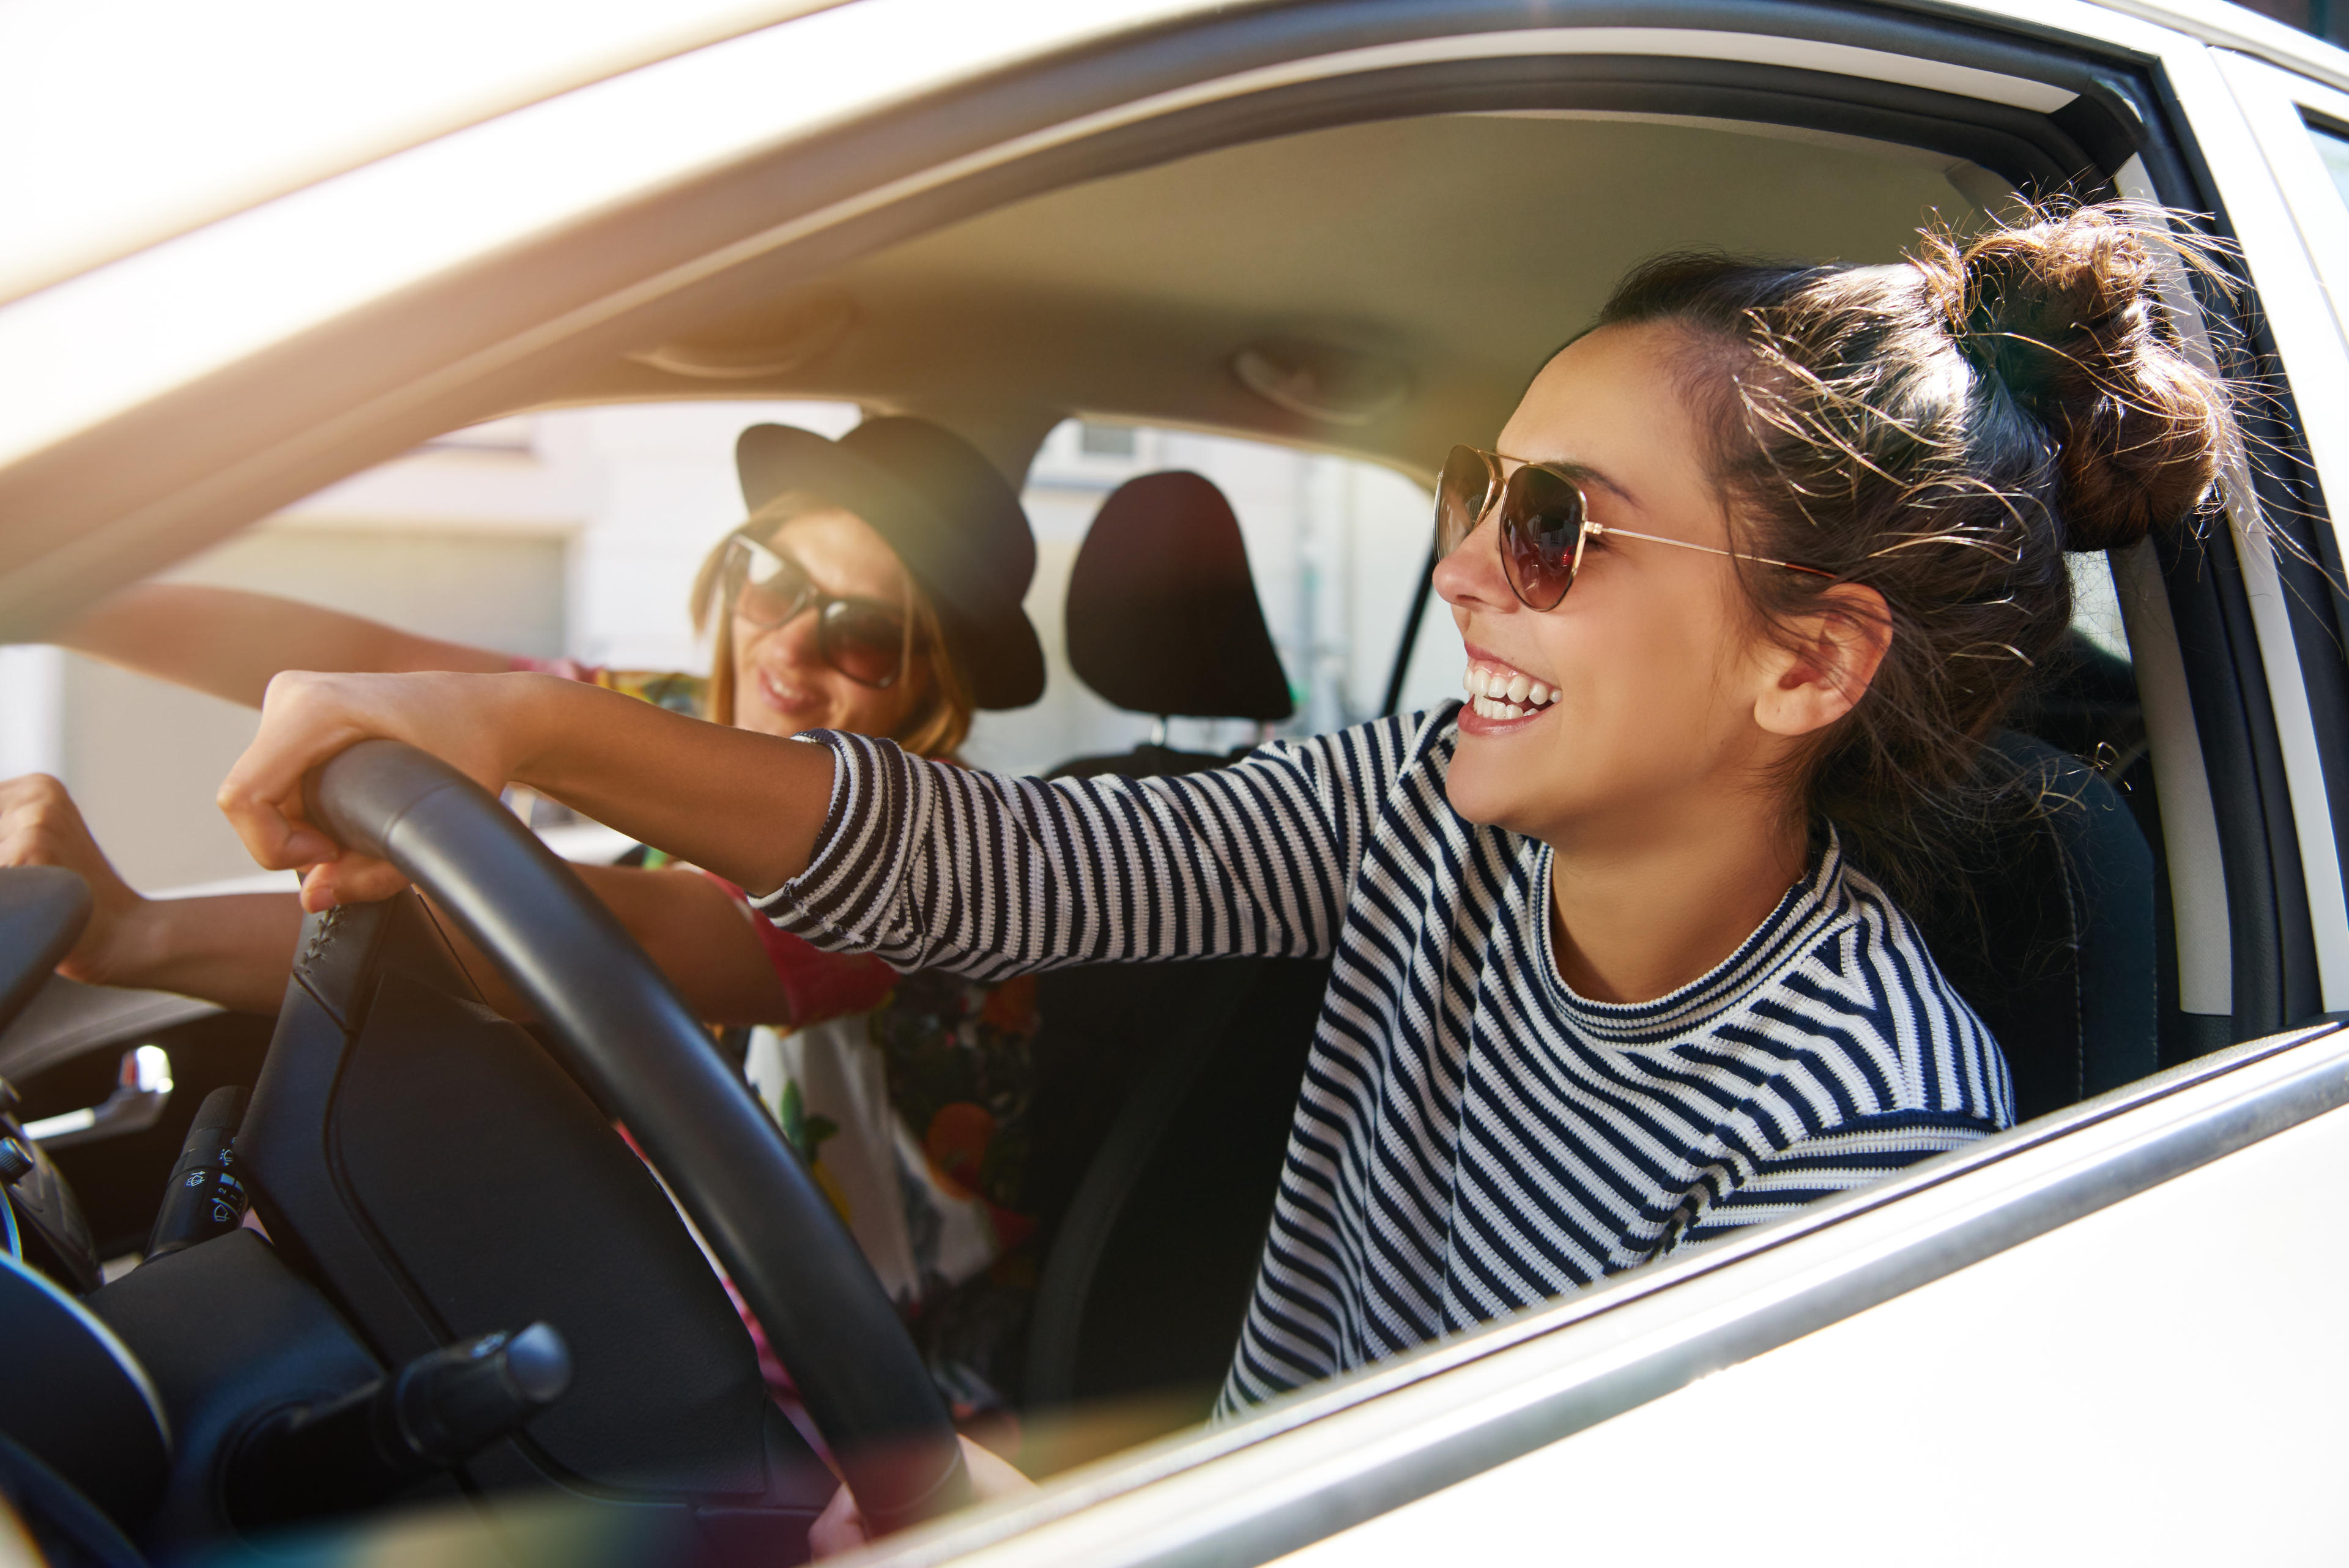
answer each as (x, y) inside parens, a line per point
(864, 639)
(1545, 522)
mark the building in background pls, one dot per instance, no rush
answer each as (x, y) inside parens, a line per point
(578, 532)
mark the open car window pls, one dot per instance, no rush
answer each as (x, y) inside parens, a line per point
(575, 533)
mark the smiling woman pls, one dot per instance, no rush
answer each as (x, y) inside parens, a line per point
(1648, 771)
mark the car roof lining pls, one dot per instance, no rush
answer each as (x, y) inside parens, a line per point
(1128, 296)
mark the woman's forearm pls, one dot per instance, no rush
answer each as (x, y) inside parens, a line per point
(229, 642)
(236, 949)
(745, 805)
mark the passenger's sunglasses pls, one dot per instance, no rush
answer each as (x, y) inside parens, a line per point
(864, 639)
(1545, 522)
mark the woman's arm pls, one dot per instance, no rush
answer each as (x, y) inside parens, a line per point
(923, 863)
(229, 642)
(986, 875)
(237, 950)
(745, 805)
(693, 930)
(1856, 1153)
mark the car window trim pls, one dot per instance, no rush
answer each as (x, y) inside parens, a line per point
(2201, 909)
(2282, 109)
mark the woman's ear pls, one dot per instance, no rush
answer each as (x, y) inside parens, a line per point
(1824, 660)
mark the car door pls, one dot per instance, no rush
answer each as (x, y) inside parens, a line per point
(2055, 1272)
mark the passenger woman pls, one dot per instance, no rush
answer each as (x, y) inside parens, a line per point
(1620, 964)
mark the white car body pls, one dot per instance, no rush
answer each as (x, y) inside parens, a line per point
(2111, 1335)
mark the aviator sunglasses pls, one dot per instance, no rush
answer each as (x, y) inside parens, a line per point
(864, 639)
(1545, 522)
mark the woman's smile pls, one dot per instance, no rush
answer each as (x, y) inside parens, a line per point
(780, 691)
(1502, 696)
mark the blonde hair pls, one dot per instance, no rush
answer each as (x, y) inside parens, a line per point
(940, 719)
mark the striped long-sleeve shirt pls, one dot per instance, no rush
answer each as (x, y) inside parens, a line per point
(1472, 1137)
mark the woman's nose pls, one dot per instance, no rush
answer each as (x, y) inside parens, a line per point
(1470, 577)
(796, 639)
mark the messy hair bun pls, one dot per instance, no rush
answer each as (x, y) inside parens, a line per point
(1943, 430)
(2061, 314)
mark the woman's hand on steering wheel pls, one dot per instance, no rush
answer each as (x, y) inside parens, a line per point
(232, 949)
(469, 722)
(40, 825)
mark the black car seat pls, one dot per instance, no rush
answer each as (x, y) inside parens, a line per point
(1164, 1092)
(2051, 937)
(1162, 618)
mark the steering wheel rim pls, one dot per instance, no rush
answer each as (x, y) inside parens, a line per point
(43, 909)
(621, 1028)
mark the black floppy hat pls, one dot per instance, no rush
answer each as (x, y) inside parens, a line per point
(953, 520)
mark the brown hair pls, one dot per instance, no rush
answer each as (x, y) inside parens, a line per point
(939, 721)
(1943, 430)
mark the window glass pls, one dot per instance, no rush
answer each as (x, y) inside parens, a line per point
(1436, 663)
(2332, 146)
(577, 531)
(2097, 604)
(1335, 546)
(573, 531)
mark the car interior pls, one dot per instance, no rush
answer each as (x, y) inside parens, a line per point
(1376, 274)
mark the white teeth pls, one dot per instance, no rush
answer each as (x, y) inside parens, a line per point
(1499, 696)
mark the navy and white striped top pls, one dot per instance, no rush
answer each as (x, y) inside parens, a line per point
(1472, 1137)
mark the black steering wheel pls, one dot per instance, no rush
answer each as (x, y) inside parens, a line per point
(622, 1031)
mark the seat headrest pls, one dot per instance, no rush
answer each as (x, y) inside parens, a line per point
(1162, 612)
